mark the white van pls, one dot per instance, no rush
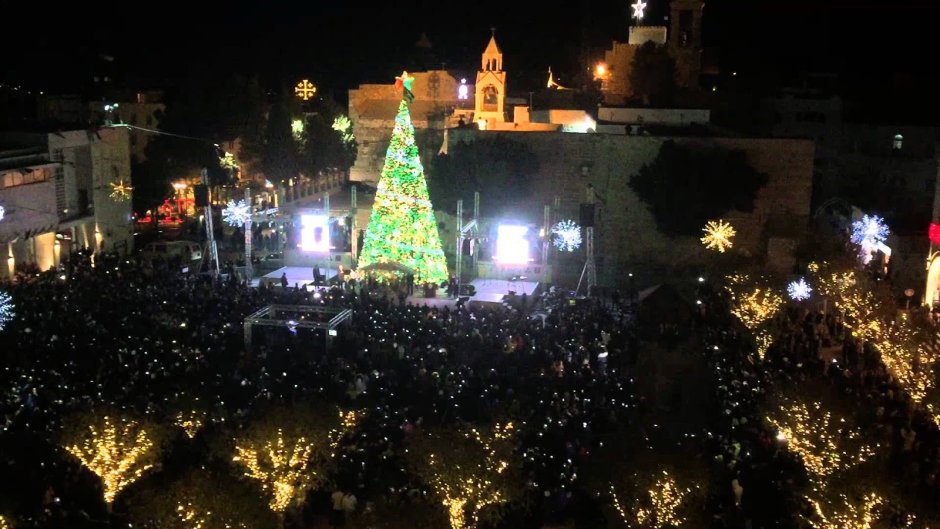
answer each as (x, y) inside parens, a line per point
(190, 252)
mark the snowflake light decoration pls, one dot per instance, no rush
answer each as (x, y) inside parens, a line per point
(567, 235)
(236, 213)
(718, 235)
(120, 190)
(343, 126)
(799, 290)
(869, 230)
(6, 309)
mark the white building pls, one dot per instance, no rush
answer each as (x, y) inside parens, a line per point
(55, 190)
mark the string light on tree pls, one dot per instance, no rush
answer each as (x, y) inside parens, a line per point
(236, 213)
(567, 235)
(825, 444)
(402, 226)
(4, 523)
(718, 235)
(657, 507)
(120, 190)
(191, 422)
(755, 304)
(799, 290)
(118, 451)
(6, 309)
(468, 469)
(289, 461)
(280, 465)
(848, 514)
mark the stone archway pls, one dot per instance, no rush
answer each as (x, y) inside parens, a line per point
(931, 294)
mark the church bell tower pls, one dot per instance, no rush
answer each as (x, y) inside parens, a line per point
(490, 86)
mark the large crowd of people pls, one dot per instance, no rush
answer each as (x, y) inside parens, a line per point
(113, 332)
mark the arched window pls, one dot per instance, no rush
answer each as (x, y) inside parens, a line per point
(898, 142)
(490, 98)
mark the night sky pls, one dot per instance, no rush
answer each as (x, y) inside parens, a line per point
(336, 46)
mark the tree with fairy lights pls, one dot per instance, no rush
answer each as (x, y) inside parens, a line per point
(402, 228)
(472, 471)
(203, 499)
(290, 451)
(118, 449)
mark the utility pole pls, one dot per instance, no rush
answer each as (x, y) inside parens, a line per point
(210, 231)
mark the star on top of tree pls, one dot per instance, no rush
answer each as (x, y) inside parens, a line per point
(404, 80)
(638, 8)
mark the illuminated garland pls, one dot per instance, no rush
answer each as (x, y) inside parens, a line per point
(718, 235)
(402, 227)
(819, 439)
(116, 451)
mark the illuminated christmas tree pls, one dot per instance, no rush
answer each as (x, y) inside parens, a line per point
(402, 228)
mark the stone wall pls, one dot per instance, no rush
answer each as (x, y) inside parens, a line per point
(626, 235)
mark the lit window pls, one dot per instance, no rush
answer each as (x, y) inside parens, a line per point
(898, 142)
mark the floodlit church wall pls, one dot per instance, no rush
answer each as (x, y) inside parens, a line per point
(627, 233)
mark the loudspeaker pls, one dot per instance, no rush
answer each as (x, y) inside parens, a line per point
(201, 194)
(587, 215)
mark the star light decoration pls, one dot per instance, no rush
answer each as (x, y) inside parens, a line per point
(120, 190)
(567, 235)
(118, 451)
(799, 290)
(638, 9)
(6, 309)
(236, 213)
(718, 235)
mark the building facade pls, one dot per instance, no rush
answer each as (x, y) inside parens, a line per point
(56, 191)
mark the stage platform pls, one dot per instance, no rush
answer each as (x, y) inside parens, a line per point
(296, 275)
(488, 291)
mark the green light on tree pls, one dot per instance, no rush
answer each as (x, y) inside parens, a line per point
(402, 228)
